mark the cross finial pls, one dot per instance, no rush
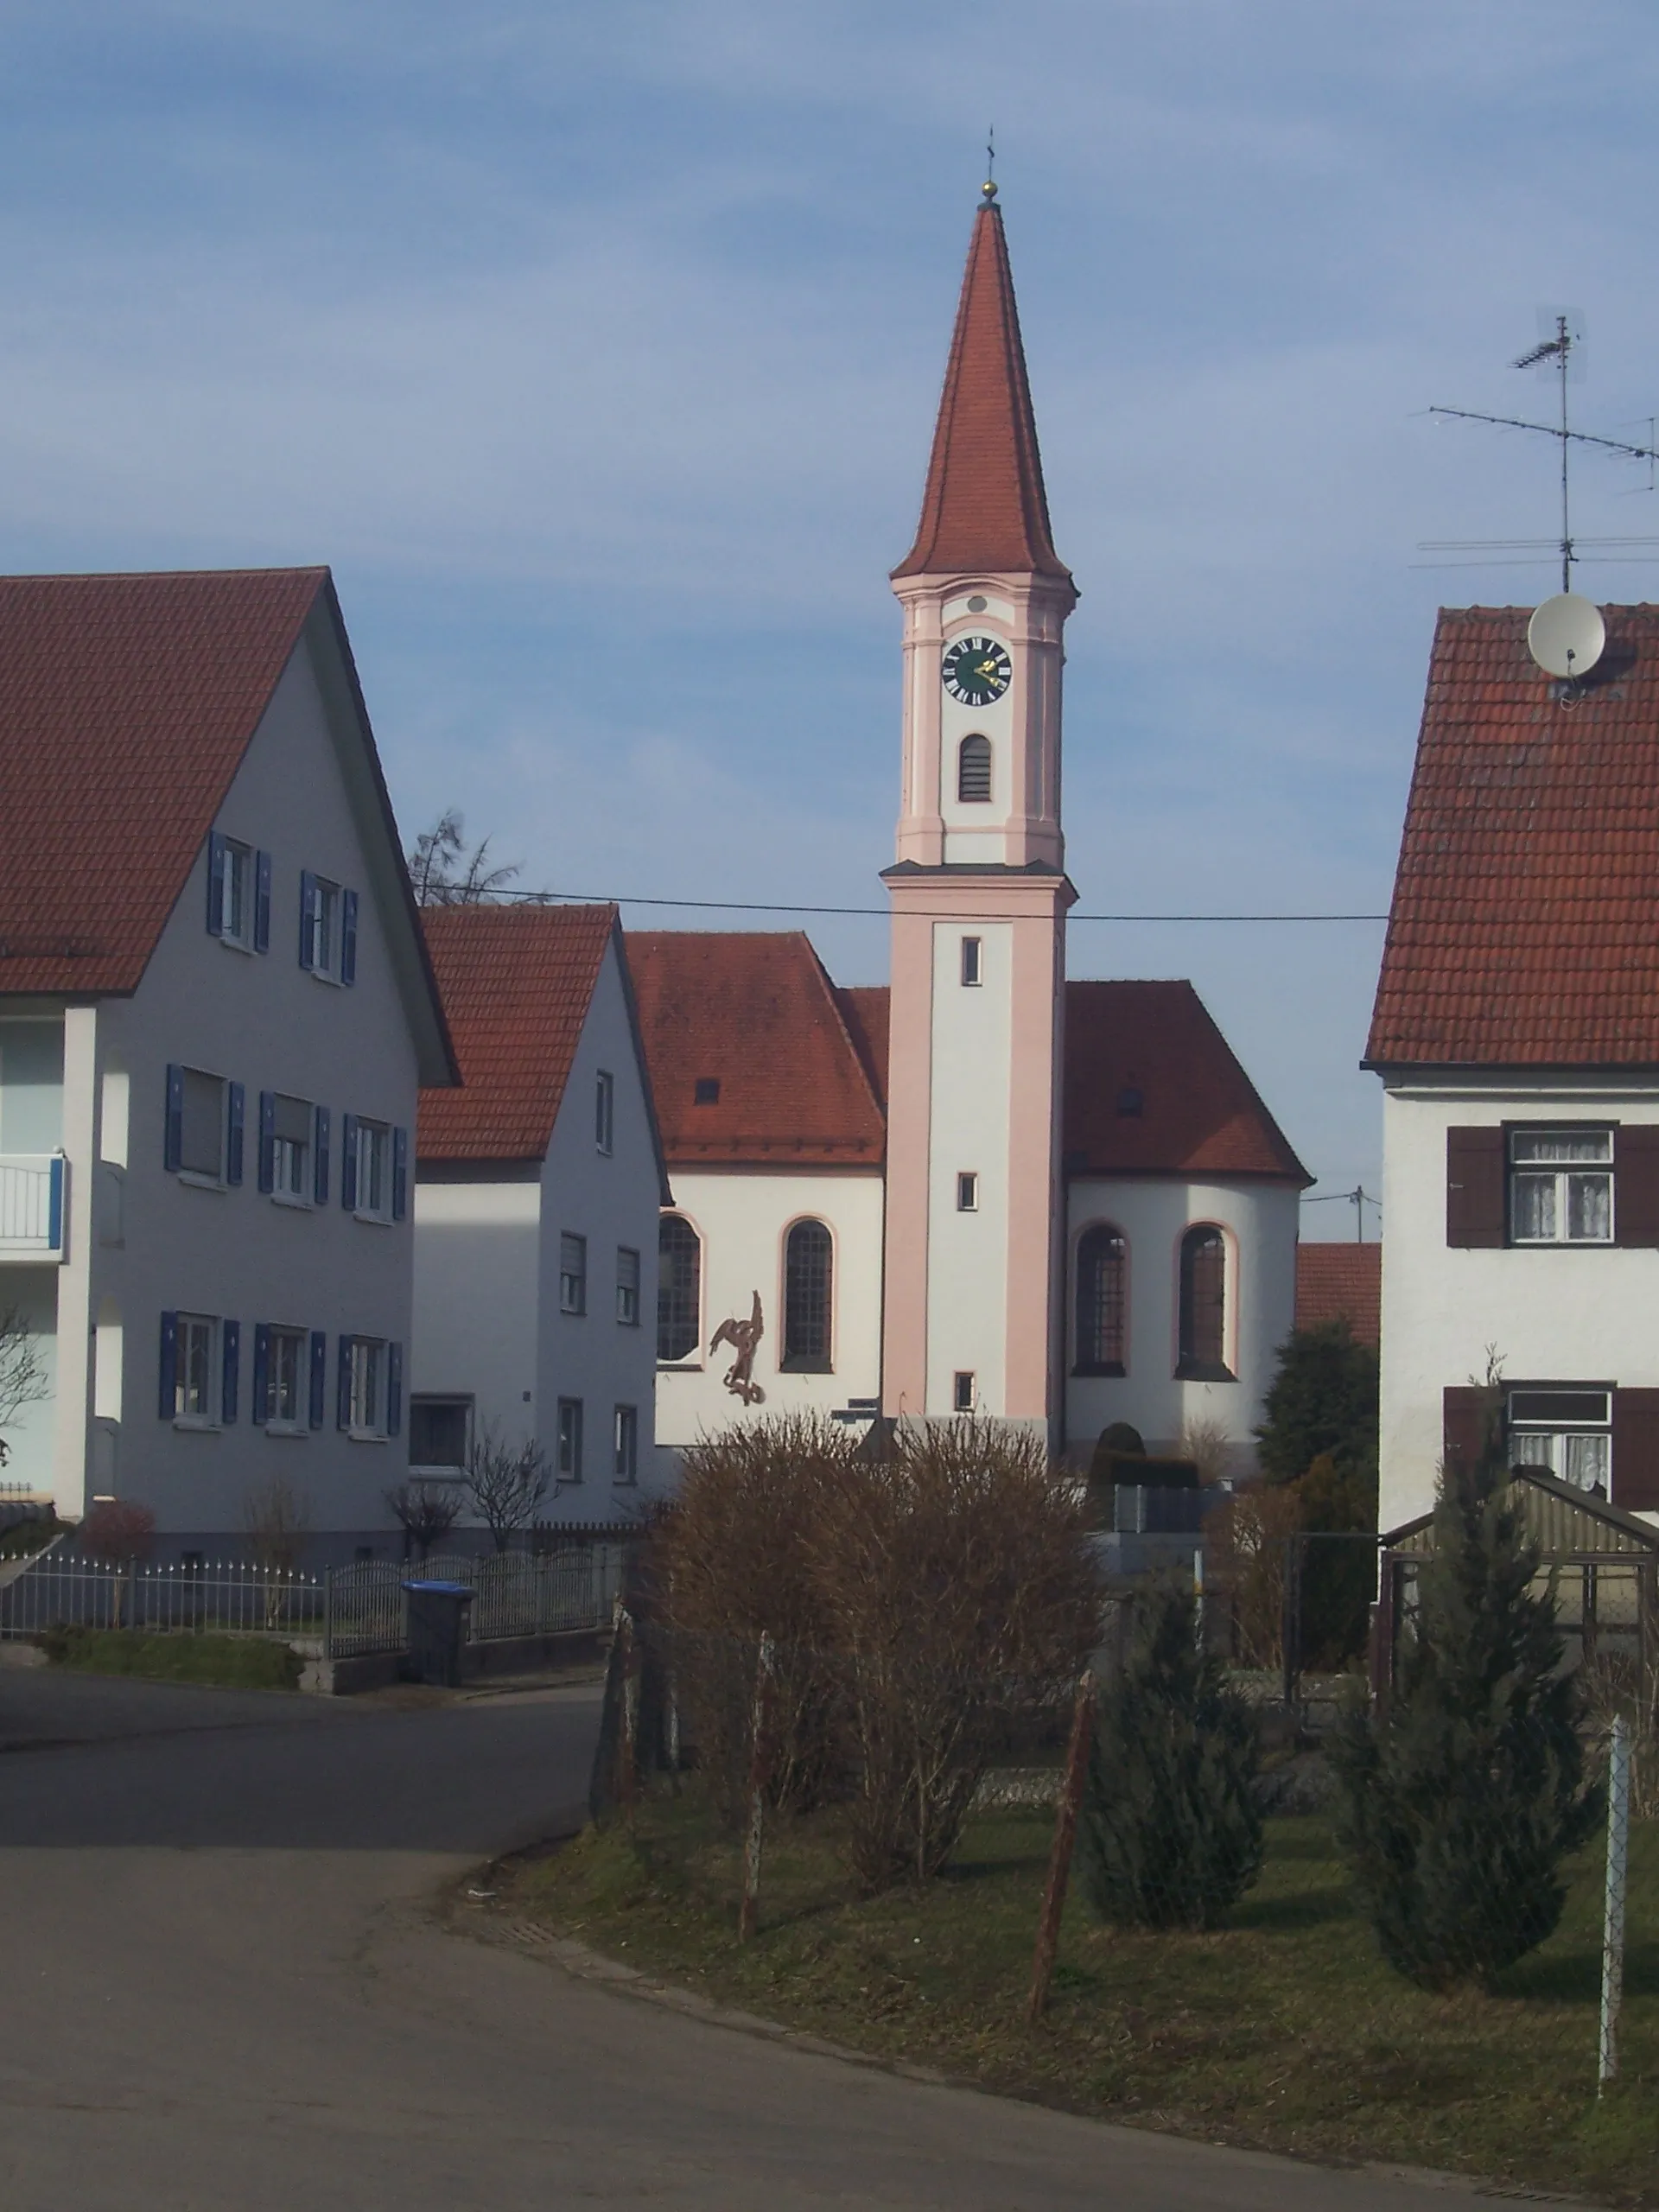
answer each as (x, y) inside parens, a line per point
(987, 190)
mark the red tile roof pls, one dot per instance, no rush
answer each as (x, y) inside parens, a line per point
(1341, 1282)
(984, 506)
(126, 704)
(516, 982)
(1525, 927)
(756, 1015)
(1199, 1113)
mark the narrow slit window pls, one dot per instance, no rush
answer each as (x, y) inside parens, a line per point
(964, 1390)
(968, 1193)
(973, 973)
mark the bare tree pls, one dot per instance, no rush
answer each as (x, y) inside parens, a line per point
(425, 1513)
(277, 1519)
(444, 874)
(23, 1373)
(506, 1483)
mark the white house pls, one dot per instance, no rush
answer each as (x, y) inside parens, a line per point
(537, 1190)
(1516, 1033)
(215, 1013)
(982, 1189)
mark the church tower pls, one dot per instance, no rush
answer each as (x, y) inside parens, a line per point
(979, 896)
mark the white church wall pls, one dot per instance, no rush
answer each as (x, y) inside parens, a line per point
(742, 1218)
(968, 1106)
(1259, 1221)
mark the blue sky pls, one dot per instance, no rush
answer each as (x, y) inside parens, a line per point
(597, 349)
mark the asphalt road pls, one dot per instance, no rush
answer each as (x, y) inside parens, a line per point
(225, 1991)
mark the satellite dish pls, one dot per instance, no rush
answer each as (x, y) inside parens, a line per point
(1566, 634)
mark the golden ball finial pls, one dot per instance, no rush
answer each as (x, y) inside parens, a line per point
(987, 190)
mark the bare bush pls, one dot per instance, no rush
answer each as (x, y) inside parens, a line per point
(1249, 1535)
(506, 1483)
(117, 1529)
(956, 1580)
(426, 1512)
(733, 1563)
(22, 1372)
(1209, 1447)
(276, 1521)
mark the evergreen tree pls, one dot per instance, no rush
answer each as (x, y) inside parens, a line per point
(1323, 1398)
(1169, 1836)
(1338, 1579)
(1462, 1798)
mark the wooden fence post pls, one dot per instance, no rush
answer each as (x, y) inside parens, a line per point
(1065, 1836)
(626, 1756)
(758, 1766)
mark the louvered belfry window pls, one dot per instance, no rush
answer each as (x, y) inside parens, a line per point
(974, 772)
(807, 1286)
(1103, 1301)
(1203, 1306)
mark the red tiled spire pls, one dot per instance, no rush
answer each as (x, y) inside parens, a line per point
(984, 507)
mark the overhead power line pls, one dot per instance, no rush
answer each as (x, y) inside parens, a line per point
(783, 906)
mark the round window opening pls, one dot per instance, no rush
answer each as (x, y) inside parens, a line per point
(978, 603)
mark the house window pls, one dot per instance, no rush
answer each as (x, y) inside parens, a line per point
(1103, 1301)
(367, 1370)
(626, 1440)
(974, 770)
(963, 1390)
(192, 1398)
(439, 1432)
(285, 1378)
(234, 889)
(1561, 1186)
(570, 1440)
(1203, 1307)
(573, 1274)
(291, 1148)
(972, 970)
(628, 1287)
(679, 1289)
(807, 1289)
(1570, 1431)
(327, 928)
(968, 1193)
(605, 1112)
(374, 1171)
(201, 1125)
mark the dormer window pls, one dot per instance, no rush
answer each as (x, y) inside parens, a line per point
(707, 1091)
(974, 772)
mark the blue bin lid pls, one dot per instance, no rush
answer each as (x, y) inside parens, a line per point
(444, 1589)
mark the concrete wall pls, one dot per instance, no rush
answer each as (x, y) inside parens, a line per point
(1550, 1313)
(742, 1219)
(1259, 1221)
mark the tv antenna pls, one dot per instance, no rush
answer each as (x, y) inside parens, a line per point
(1562, 335)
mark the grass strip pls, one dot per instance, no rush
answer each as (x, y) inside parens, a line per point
(239, 1663)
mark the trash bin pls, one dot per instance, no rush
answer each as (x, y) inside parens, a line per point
(437, 1626)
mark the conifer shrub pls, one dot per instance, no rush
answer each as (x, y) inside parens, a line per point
(1463, 1794)
(1169, 1835)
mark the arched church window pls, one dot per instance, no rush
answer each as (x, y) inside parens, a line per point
(808, 1283)
(679, 1289)
(1102, 1301)
(1203, 1307)
(974, 770)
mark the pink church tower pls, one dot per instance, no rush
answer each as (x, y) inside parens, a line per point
(979, 897)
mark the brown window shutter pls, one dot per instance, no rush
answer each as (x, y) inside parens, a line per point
(1636, 1183)
(1464, 1424)
(1474, 1187)
(1635, 1450)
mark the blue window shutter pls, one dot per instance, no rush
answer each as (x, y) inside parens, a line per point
(262, 902)
(173, 1142)
(215, 884)
(320, 1193)
(394, 1388)
(348, 937)
(307, 910)
(343, 1385)
(54, 1204)
(399, 1173)
(319, 1377)
(230, 1338)
(348, 1162)
(259, 1410)
(238, 1106)
(168, 1400)
(267, 1141)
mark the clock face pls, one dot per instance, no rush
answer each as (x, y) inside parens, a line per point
(977, 671)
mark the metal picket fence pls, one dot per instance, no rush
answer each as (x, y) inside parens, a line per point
(224, 1596)
(517, 1593)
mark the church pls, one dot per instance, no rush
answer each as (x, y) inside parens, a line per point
(986, 1189)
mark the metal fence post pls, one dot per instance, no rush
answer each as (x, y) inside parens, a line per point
(1612, 1937)
(758, 1762)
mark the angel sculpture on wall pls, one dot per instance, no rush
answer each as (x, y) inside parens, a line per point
(743, 1337)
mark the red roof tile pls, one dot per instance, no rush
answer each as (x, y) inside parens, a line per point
(754, 1015)
(984, 506)
(864, 1009)
(1525, 925)
(126, 704)
(516, 982)
(1341, 1282)
(1152, 1088)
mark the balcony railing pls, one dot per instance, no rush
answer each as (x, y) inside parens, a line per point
(33, 1190)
